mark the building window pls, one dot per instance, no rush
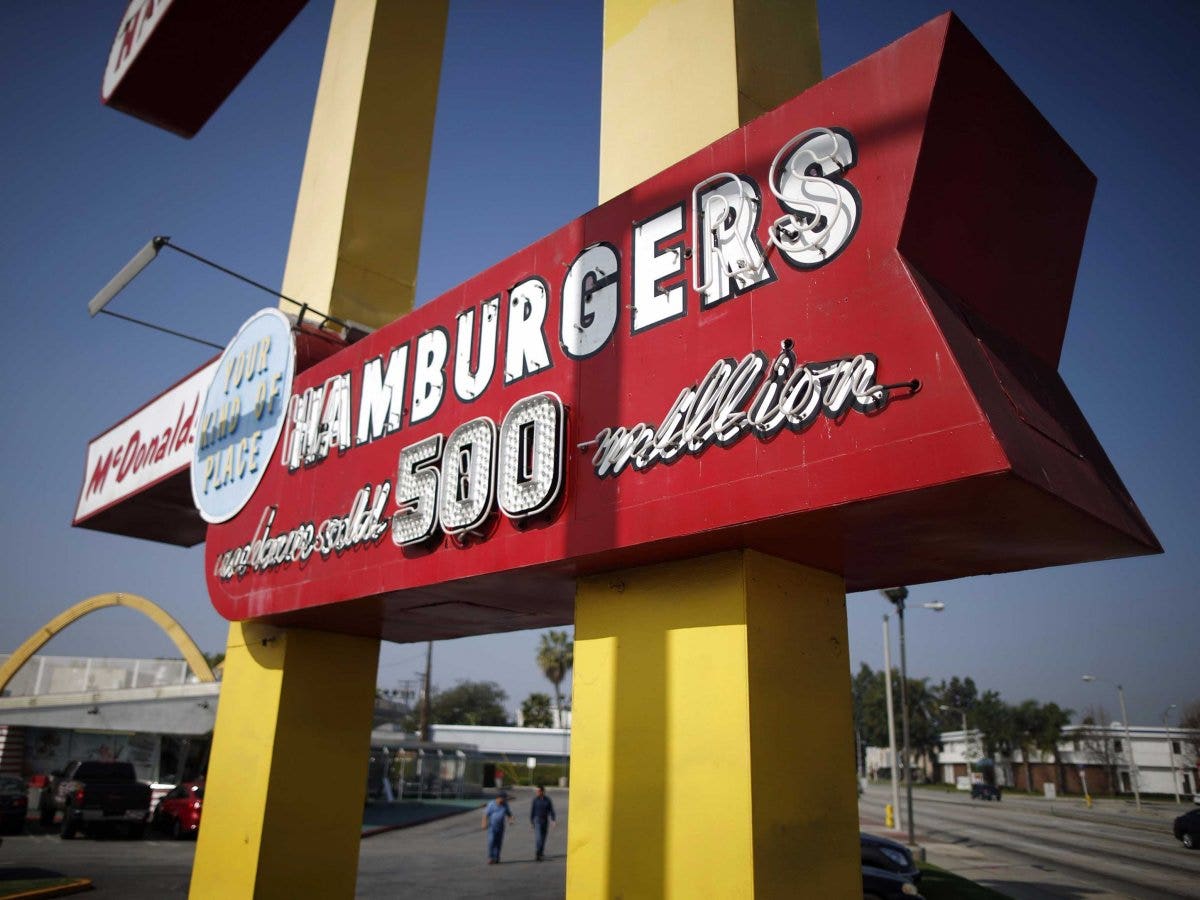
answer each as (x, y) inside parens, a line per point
(1175, 748)
(1116, 746)
(1125, 785)
(1187, 783)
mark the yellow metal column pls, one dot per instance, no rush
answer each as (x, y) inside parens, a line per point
(283, 805)
(284, 798)
(712, 744)
(357, 231)
(712, 738)
(678, 74)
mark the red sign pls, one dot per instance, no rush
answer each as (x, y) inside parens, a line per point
(173, 62)
(831, 336)
(132, 480)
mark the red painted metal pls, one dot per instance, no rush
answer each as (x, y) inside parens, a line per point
(164, 510)
(960, 274)
(173, 62)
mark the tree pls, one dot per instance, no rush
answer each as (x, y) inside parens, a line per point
(923, 726)
(994, 718)
(1189, 717)
(556, 657)
(470, 703)
(1053, 720)
(870, 706)
(960, 695)
(1095, 745)
(535, 711)
(1027, 722)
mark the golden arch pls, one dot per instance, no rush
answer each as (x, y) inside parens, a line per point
(154, 612)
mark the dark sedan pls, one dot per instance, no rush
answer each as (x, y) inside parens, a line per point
(880, 853)
(981, 791)
(1187, 829)
(880, 884)
(13, 804)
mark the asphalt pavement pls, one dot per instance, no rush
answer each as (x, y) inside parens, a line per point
(1031, 848)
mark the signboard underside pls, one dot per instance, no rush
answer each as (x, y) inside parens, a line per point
(782, 343)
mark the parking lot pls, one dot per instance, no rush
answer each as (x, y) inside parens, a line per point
(443, 858)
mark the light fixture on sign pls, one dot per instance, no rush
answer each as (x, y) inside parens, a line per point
(470, 457)
(728, 219)
(823, 209)
(531, 449)
(145, 256)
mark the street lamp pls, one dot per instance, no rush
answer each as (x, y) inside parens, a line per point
(1133, 769)
(149, 253)
(1171, 751)
(897, 596)
(967, 755)
(962, 712)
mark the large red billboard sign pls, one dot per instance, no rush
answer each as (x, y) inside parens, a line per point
(831, 336)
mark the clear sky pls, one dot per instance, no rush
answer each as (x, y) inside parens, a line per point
(515, 156)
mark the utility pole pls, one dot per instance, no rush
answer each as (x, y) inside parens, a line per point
(423, 726)
(1171, 751)
(897, 596)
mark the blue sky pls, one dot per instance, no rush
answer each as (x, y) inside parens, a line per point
(83, 187)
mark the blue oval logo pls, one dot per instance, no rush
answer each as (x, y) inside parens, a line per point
(242, 416)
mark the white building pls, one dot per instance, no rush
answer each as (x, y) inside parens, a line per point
(1163, 761)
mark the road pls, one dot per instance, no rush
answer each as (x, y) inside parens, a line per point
(1034, 849)
(1018, 847)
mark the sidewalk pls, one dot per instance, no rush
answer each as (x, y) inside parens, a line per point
(382, 817)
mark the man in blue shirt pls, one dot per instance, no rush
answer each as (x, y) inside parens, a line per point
(495, 817)
(541, 813)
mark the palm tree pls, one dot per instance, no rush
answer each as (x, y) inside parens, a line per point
(556, 657)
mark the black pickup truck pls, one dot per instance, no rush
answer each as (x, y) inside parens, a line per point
(91, 793)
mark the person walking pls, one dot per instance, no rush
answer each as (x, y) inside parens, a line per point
(541, 814)
(495, 817)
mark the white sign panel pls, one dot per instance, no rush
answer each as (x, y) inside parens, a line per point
(152, 444)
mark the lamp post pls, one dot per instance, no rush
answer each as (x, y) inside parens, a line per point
(893, 762)
(1171, 751)
(897, 596)
(1133, 769)
(962, 712)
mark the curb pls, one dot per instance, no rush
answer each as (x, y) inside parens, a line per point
(383, 829)
(79, 885)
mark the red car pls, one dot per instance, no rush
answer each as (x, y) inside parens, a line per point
(178, 813)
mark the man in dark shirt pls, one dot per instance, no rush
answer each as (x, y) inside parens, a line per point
(541, 813)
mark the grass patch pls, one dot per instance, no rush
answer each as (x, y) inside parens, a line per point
(54, 887)
(938, 884)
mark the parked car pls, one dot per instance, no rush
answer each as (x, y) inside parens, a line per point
(178, 813)
(1187, 829)
(881, 853)
(90, 793)
(13, 804)
(982, 791)
(880, 884)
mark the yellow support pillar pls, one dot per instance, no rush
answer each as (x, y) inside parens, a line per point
(296, 705)
(712, 743)
(712, 737)
(678, 74)
(284, 797)
(357, 231)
